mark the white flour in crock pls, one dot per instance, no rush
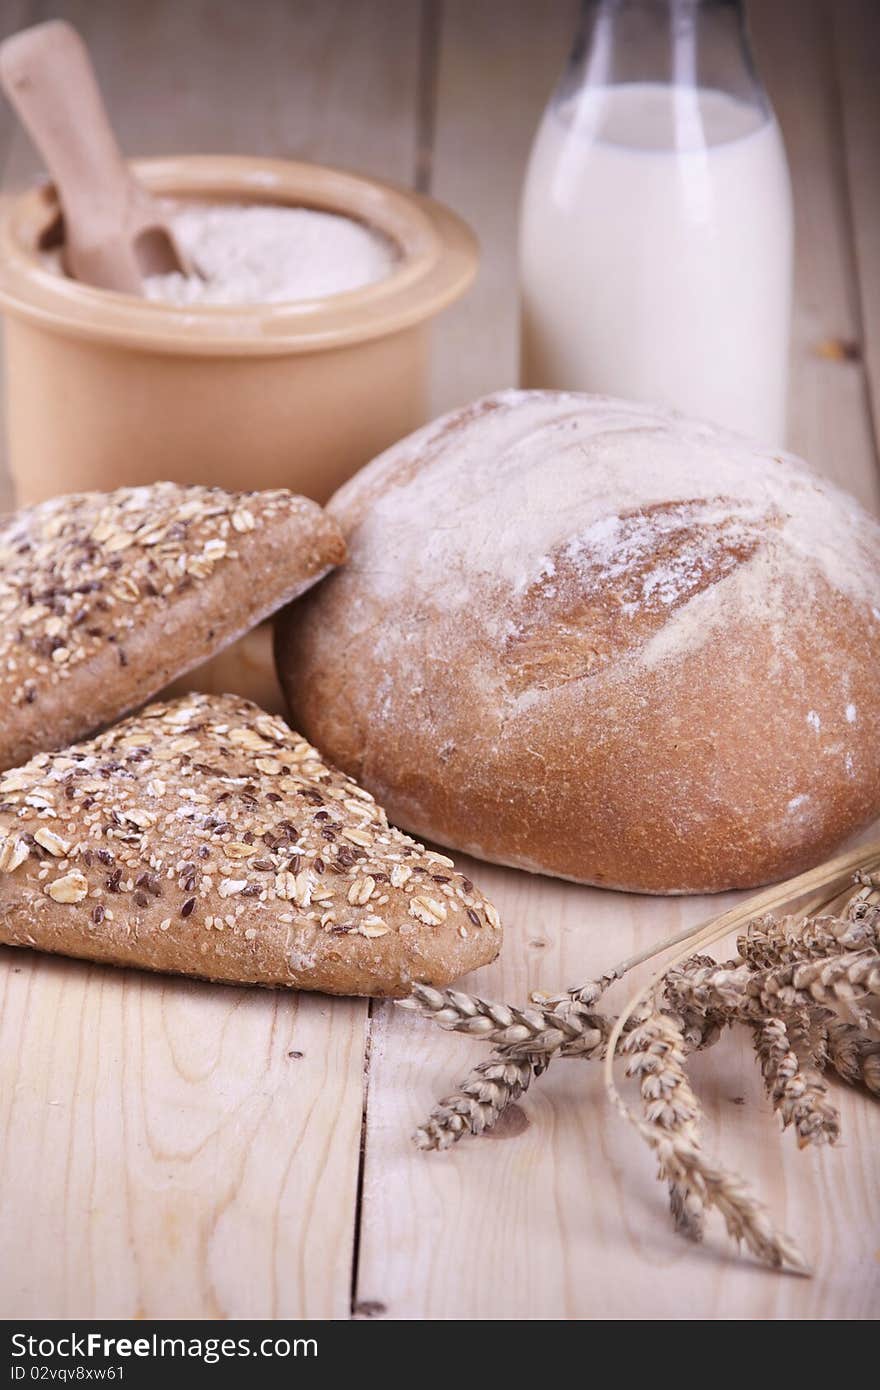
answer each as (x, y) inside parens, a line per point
(270, 255)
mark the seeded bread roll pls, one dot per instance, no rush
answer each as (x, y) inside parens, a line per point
(598, 640)
(204, 837)
(105, 597)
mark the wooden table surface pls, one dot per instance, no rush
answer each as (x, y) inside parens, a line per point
(162, 1152)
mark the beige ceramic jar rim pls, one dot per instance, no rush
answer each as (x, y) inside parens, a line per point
(437, 258)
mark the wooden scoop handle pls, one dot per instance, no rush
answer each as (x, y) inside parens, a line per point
(48, 76)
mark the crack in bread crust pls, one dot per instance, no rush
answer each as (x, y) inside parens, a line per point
(600, 597)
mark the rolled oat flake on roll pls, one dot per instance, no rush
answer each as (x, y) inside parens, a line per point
(204, 837)
(106, 597)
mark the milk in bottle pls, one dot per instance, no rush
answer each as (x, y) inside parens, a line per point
(656, 227)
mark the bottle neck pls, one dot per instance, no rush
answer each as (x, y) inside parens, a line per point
(687, 43)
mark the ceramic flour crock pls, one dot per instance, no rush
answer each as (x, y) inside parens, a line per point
(105, 389)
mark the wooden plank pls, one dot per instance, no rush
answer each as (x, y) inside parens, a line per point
(17, 14)
(328, 80)
(829, 422)
(498, 64)
(161, 1152)
(562, 1218)
(857, 34)
(162, 1155)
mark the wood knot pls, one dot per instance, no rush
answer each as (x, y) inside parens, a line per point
(513, 1122)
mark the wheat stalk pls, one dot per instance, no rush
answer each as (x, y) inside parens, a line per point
(486, 1092)
(811, 892)
(794, 983)
(477, 1106)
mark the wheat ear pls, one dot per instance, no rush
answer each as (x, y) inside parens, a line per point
(813, 891)
(685, 1168)
(655, 1051)
(530, 1038)
(568, 1029)
(798, 1093)
(840, 984)
(747, 1221)
(768, 942)
(480, 1101)
(855, 1058)
(526, 1041)
(487, 1090)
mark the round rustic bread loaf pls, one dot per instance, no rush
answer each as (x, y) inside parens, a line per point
(597, 640)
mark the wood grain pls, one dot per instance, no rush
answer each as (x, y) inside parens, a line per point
(495, 70)
(16, 14)
(175, 1161)
(164, 1155)
(857, 36)
(829, 420)
(565, 1219)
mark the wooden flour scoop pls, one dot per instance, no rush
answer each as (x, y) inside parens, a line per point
(115, 231)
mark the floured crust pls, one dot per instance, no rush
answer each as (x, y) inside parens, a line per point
(205, 838)
(105, 597)
(598, 640)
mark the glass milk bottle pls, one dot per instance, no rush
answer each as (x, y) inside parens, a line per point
(656, 225)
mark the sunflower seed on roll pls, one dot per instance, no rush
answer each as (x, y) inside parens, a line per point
(204, 837)
(105, 597)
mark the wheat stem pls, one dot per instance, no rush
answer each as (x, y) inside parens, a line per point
(797, 980)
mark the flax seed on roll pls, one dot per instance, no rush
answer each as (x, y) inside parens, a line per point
(601, 641)
(204, 837)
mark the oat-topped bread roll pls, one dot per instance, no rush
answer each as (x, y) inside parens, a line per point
(105, 597)
(204, 837)
(602, 641)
